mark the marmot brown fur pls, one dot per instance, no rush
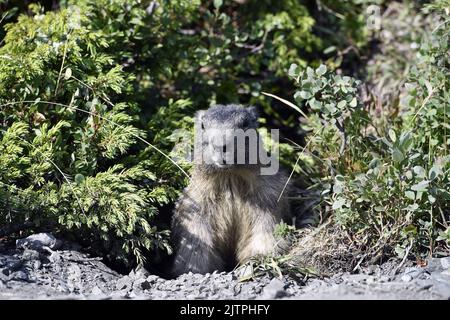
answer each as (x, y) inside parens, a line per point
(229, 210)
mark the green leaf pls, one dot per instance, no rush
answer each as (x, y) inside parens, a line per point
(320, 71)
(434, 172)
(314, 104)
(410, 195)
(397, 155)
(310, 72)
(408, 175)
(305, 95)
(415, 156)
(410, 230)
(420, 171)
(413, 207)
(421, 186)
(374, 163)
(405, 140)
(294, 70)
(342, 104)
(68, 74)
(329, 50)
(431, 198)
(79, 178)
(218, 4)
(392, 135)
(338, 204)
(331, 108)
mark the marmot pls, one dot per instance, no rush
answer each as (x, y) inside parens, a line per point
(229, 210)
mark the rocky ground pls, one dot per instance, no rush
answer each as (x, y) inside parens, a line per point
(41, 267)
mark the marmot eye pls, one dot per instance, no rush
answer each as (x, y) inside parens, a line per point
(203, 126)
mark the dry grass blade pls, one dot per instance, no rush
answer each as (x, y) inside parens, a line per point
(295, 166)
(290, 104)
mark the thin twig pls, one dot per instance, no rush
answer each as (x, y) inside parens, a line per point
(404, 258)
(341, 129)
(425, 101)
(93, 90)
(62, 67)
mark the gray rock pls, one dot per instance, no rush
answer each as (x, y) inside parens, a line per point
(229, 277)
(96, 291)
(426, 286)
(142, 284)
(441, 277)
(385, 278)
(445, 263)
(414, 273)
(119, 294)
(372, 270)
(274, 290)
(37, 264)
(357, 278)
(433, 264)
(443, 289)
(237, 288)
(69, 274)
(227, 293)
(10, 265)
(125, 282)
(370, 280)
(20, 276)
(30, 255)
(406, 278)
(139, 273)
(245, 272)
(146, 285)
(153, 279)
(39, 242)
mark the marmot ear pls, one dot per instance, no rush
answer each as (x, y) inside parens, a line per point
(199, 115)
(254, 112)
(198, 120)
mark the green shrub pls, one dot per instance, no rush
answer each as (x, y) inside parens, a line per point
(73, 157)
(92, 93)
(386, 187)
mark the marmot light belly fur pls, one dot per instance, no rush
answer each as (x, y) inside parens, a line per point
(229, 210)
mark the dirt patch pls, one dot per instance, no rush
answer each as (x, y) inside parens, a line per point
(64, 272)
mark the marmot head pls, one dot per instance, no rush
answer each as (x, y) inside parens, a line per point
(226, 138)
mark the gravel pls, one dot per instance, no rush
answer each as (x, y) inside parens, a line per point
(41, 267)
